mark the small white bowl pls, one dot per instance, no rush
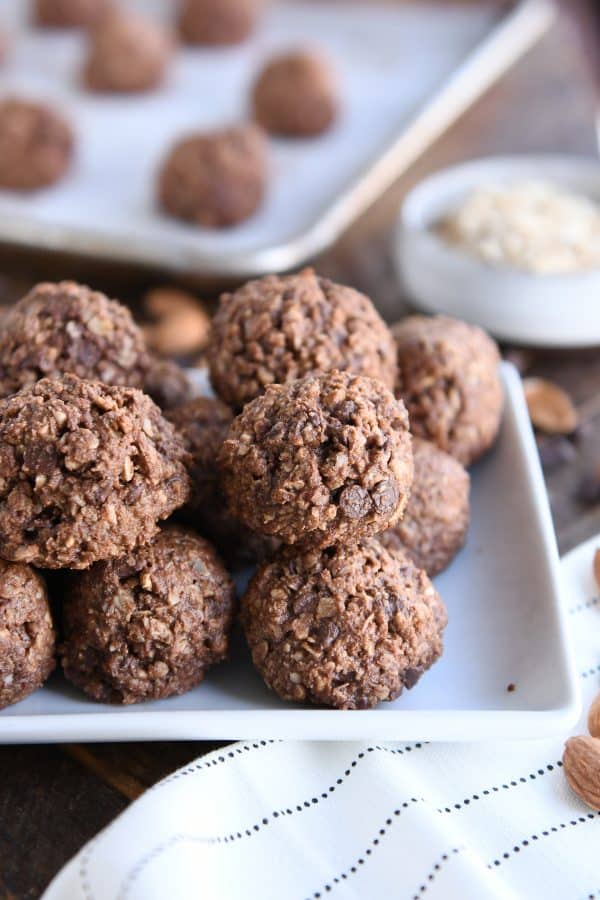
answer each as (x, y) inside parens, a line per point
(516, 306)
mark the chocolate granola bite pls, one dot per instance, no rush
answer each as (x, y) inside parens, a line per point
(345, 627)
(215, 179)
(127, 53)
(324, 459)
(149, 624)
(167, 383)
(216, 22)
(26, 632)
(448, 377)
(436, 520)
(86, 472)
(36, 145)
(203, 424)
(282, 327)
(69, 13)
(295, 95)
(68, 328)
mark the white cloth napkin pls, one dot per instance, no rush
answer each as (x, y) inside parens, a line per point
(279, 820)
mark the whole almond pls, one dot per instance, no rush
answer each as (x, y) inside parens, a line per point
(162, 301)
(181, 324)
(550, 407)
(594, 718)
(581, 764)
(597, 567)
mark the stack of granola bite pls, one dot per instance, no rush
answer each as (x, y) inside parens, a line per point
(332, 458)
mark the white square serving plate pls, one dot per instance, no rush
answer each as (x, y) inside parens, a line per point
(506, 627)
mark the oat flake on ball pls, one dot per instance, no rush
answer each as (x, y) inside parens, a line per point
(26, 632)
(282, 327)
(86, 472)
(345, 627)
(149, 624)
(324, 459)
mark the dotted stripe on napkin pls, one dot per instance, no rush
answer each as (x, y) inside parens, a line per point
(527, 842)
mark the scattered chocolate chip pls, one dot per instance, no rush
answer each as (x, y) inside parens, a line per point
(355, 502)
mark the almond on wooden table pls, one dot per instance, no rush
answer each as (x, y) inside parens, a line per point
(180, 324)
(593, 721)
(550, 407)
(597, 567)
(581, 765)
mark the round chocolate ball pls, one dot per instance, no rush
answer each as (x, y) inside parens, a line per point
(86, 472)
(345, 627)
(26, 632)
(449, 379)
(36, 145)
(435, 524)
(321, 460)
(127, 53)
(215, 22)
(167, 383)
(69, 13)
(215, 179)
(68, 328)
(203, 424)
(282, 327)
(149, 624)
(295, 95)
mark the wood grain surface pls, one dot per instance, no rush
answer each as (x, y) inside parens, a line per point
(53, 799)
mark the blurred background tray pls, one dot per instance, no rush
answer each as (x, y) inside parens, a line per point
(406, 72)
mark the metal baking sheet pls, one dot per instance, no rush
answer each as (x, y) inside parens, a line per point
(405, 72)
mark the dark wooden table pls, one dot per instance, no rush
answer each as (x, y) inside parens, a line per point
(54, 798)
